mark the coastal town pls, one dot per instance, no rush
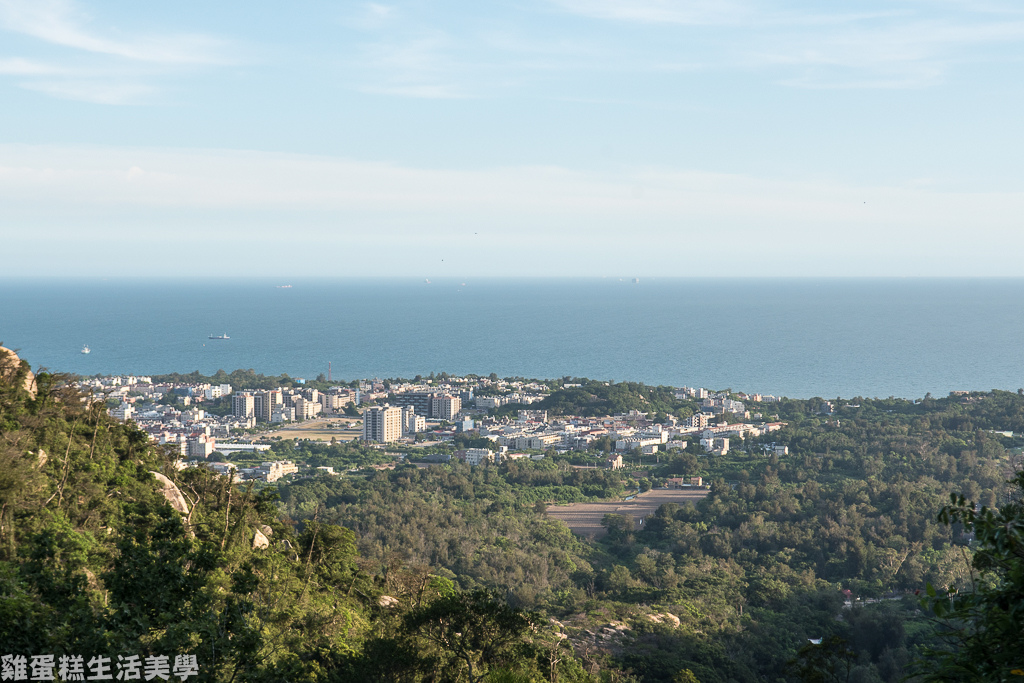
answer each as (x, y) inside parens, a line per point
(210, 424)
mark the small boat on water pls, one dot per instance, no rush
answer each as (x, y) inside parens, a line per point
(86, 349)
(219, 336)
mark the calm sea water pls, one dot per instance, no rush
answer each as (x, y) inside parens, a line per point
(798, 338)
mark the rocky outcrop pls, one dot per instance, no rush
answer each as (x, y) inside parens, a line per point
(664, 618)
(172, 493)
(260, 541)
(11, 369)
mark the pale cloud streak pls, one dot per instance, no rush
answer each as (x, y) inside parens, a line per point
(636, 215)
(415, 67)
(26, 67)
(60, 22)
(901, 45)
(685, 12)
(96, 91)
(122, 69)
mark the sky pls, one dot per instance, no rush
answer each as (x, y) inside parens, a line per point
(722, 138)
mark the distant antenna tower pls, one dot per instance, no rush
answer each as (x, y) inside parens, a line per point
(328, 371)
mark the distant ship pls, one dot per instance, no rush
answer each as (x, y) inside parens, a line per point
(219, 336)
(283, 286)
(86, 349)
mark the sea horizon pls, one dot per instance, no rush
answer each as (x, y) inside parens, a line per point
(789, 336)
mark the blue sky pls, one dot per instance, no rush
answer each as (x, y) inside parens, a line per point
(534, 137)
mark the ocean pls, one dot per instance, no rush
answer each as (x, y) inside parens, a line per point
(788, 337)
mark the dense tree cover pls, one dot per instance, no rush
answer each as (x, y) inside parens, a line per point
(481, 524)
(452, 573)
(95, 561)
(595, 398)
(341, 455)
(244, 380)
(754, 570)
(982, 623)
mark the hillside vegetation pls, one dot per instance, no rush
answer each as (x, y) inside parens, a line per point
(455, 573)
(95, 562)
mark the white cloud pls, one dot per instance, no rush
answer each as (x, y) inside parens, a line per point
(910, 54)
(652, 216)
(910, 44)
(417, 67)
(61, 23)
(97, 91)
(689, 12)
(25, 67)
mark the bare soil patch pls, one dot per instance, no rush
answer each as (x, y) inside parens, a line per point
(585, 518)
(322, 429)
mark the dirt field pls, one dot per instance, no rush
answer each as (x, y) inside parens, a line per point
(321, 429)
(585, 518)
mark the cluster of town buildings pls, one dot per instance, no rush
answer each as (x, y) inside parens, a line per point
(533, 430)
(408, 408)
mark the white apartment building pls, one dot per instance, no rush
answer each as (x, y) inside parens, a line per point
(412, 423)
(445, 407)
(306, 408)
(243, 404)
(334, 402)
(125, 411)
(200, 446)
(700, 421)
(478, 456)
(266, 402)
(217, 391)
(489, 402)
(271, 471)
(283, 414)
(716, 445)
(382, 424)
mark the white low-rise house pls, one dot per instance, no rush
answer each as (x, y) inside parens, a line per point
(217, 391)
(125, 411)
(716, 445)
(488, 402)
(476, 456)
(283, 414)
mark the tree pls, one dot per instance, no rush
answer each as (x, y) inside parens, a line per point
(474, 629)
(982, 625)
(830, 660)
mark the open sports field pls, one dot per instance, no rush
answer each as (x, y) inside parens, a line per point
(585, 518)
(322, 429)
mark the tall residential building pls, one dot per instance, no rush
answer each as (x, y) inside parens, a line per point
(243, 405)
(266, 402)
(699, 420)
(411, 422)
(445, 407)
(305, 408)
(420, 401)
(382, 424)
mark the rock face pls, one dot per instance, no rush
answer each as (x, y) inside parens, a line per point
(259, 540)
(10, 369)
(171, 493)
